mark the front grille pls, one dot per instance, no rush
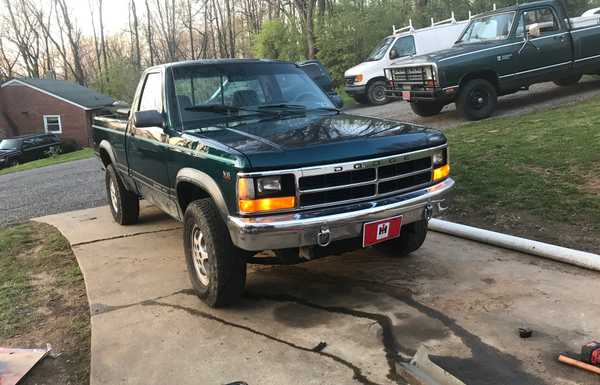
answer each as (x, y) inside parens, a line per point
(409, 75)
(349, 80)
(397, 175)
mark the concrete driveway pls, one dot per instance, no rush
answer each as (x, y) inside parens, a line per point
(539, 97)
(462, 300)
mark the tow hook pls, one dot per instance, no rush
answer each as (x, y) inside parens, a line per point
(324, 237)
(428, 212)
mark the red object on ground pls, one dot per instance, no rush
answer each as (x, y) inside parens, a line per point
(590, 353)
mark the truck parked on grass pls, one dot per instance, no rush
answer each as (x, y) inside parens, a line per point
(366, 81)
(500, 53)
(251, 155)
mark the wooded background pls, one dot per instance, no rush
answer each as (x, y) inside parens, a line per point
(44, 39)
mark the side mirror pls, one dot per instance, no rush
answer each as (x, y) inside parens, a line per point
(393, 54)
(150, 118)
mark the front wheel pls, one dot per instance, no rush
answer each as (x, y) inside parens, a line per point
(477, 99)
(411, 239)
(217, 268)
(426, 108)
(376, 93)
(568, 81)
(124, 205)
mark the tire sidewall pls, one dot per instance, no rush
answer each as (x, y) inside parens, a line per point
(426, 109)
(465, 106)
(111, 177)
(371, 93)
(191, 220)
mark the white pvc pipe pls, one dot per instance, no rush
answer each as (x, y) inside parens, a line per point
(540, 249)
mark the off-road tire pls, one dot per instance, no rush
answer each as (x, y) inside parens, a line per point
(426, 109)
(124, 205)
(226, 265)
(568, 81)
(411, 238)
(361, 99)
(477, 99)
(376, 93)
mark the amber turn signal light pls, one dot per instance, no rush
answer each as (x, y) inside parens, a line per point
(248, 206)
(441, 172)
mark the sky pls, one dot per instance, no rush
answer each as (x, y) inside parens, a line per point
(115, 14)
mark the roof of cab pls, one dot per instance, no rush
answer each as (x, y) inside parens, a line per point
(218, 61)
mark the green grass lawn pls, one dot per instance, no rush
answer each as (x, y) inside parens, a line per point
(540, 168)
(43, 300)
(62, 158)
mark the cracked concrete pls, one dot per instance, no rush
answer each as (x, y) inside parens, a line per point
(462, 300)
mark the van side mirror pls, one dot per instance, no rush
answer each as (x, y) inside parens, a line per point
(150, 118)
(393, 54)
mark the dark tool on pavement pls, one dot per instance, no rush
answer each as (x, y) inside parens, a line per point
(590, 353)
(525, 332)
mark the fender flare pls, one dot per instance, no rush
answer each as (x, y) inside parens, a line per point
(106, 146)
(206, 183)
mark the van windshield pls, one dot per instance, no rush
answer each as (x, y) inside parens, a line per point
(381, 49)
(493, 27)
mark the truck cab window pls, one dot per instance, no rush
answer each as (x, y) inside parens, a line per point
(538, 22)
(152, 94)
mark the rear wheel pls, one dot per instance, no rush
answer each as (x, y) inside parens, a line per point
(124, 205)
(568, 81)
(376, 93)
(477, 99)
(217, 268)
(426, 108)
(411, 238)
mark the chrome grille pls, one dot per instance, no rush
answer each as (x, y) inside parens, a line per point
(409, 75)
(378, 178)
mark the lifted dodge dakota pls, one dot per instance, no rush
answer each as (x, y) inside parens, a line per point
(252, 156)
(499, 53)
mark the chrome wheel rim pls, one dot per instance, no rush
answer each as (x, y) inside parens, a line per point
(200, 255)
(113, 196)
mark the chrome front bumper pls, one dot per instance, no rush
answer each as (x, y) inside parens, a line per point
(293, 230)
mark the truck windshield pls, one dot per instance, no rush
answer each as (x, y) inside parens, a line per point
(493, 27)
(381, 49)
(240, 90)
(9, 144)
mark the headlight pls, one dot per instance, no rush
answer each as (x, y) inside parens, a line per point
(388, 73)
(441, 165)
(269, 193)
(428, 73)
(358, 78)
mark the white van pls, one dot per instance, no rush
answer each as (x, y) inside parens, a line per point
(366, 81)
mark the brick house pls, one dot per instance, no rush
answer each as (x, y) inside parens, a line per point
(30, 106)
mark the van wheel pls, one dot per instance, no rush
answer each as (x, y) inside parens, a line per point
(477, 99)
(426, 108)
(124, 205)
(376, 93)
(411, 239)
(361, 99)
(568, 81)
(216, 267)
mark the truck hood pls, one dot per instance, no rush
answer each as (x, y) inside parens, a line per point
(456, 50)
(4, 153)
(315, 138)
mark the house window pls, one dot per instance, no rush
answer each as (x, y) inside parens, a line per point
(52, 124)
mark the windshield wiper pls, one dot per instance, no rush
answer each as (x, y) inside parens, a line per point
(283, 105)
(224, 108)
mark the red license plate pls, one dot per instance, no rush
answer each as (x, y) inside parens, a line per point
(381, 231)
(406, 95)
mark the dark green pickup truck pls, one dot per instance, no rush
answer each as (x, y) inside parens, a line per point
(252, 156)
(500, 53)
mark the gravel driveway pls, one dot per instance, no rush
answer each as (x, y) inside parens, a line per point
(539, 97)
(50, 190)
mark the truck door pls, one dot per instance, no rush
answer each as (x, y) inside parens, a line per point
(548, 50)
(146, 146)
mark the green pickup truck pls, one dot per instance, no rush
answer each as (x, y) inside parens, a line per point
(500, 53)
(252, 156)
